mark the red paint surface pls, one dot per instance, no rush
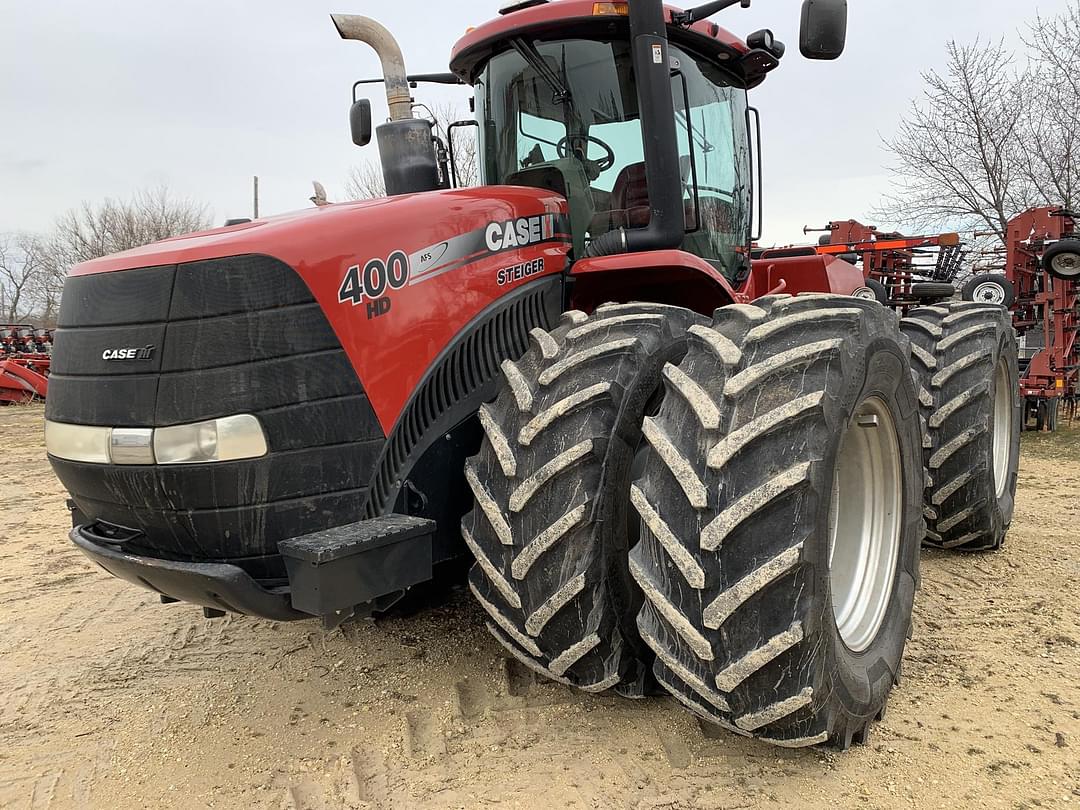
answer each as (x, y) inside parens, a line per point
(663, 275)
(802, 274)
(567, 13)
(22, 379)
(389, 353)
(658, 260)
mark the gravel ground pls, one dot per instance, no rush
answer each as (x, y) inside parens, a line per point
(109, 699)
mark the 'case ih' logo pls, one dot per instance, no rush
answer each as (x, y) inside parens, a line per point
(115, 355)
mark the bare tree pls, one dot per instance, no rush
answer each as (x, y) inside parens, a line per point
(33, 268)
(1051, 127)
(957, 153)
(366, 180)
(94, 230)
(26, 289)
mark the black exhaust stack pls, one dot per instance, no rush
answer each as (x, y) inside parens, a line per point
(656, 109)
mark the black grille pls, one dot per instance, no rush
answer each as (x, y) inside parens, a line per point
(236, 335)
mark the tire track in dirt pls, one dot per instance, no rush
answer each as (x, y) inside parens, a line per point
(108, 699)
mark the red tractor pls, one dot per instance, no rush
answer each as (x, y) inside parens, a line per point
(672, 472)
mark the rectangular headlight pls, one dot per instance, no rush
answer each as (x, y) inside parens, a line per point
(78, 442)
(229, 439)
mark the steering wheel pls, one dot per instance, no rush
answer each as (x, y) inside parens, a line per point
(566, 148)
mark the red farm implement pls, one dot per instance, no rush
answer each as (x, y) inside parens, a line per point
(1035, 275)
(23, 379)
(24, 363)
(900, 271)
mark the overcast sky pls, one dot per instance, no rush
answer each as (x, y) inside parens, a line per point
(100, 98)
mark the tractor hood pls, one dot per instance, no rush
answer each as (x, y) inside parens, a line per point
(395, 279)
(304, 238)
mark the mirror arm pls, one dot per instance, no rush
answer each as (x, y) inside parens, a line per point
(414, 79)
(691, 16)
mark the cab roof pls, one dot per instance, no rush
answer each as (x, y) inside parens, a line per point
(563, 18)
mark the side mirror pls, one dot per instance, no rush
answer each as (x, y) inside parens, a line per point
(360, 122)
(824, 28)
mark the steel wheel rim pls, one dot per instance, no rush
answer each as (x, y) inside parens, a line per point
(1003, 422)
(989, 292)
(865, 294)
(865, 518)
(1067, 264)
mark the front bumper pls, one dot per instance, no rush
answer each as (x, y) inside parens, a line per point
(217, 586)
(330, 573)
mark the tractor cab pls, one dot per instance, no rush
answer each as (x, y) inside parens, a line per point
(563, 114)
(635, 113)
(559, 106)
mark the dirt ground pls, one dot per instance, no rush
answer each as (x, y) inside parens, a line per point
(109, 699)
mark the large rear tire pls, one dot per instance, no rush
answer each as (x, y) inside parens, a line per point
(552, 523)
(965, 356)
(782, 514)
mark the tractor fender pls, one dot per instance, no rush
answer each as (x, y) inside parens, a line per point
(795, 275)
(660, 276)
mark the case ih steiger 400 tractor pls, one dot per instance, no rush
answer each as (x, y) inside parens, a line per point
(674, 473)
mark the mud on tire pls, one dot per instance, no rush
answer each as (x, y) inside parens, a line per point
(552, 515)
(736, 504)
(963, 354)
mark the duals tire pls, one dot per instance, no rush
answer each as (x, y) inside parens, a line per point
(552, 520)
(965, 357)
(737, 502)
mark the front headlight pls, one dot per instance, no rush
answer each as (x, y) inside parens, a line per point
(83, 443)
(229, 439)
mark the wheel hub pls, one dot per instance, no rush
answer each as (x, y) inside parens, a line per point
(865, 523)
(989, 293)
(1067, 264)
(1003, 427)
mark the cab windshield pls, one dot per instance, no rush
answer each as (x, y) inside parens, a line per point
(567, 110)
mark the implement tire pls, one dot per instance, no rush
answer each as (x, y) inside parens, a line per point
(965, 356)
(552, 521)
(749, 491)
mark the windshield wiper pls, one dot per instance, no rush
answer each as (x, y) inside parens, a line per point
(543, 69)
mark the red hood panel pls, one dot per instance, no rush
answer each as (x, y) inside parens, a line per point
(398, 278)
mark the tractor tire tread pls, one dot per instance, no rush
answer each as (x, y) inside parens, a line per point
(717, 564)
(562, 429)
(963, 339)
